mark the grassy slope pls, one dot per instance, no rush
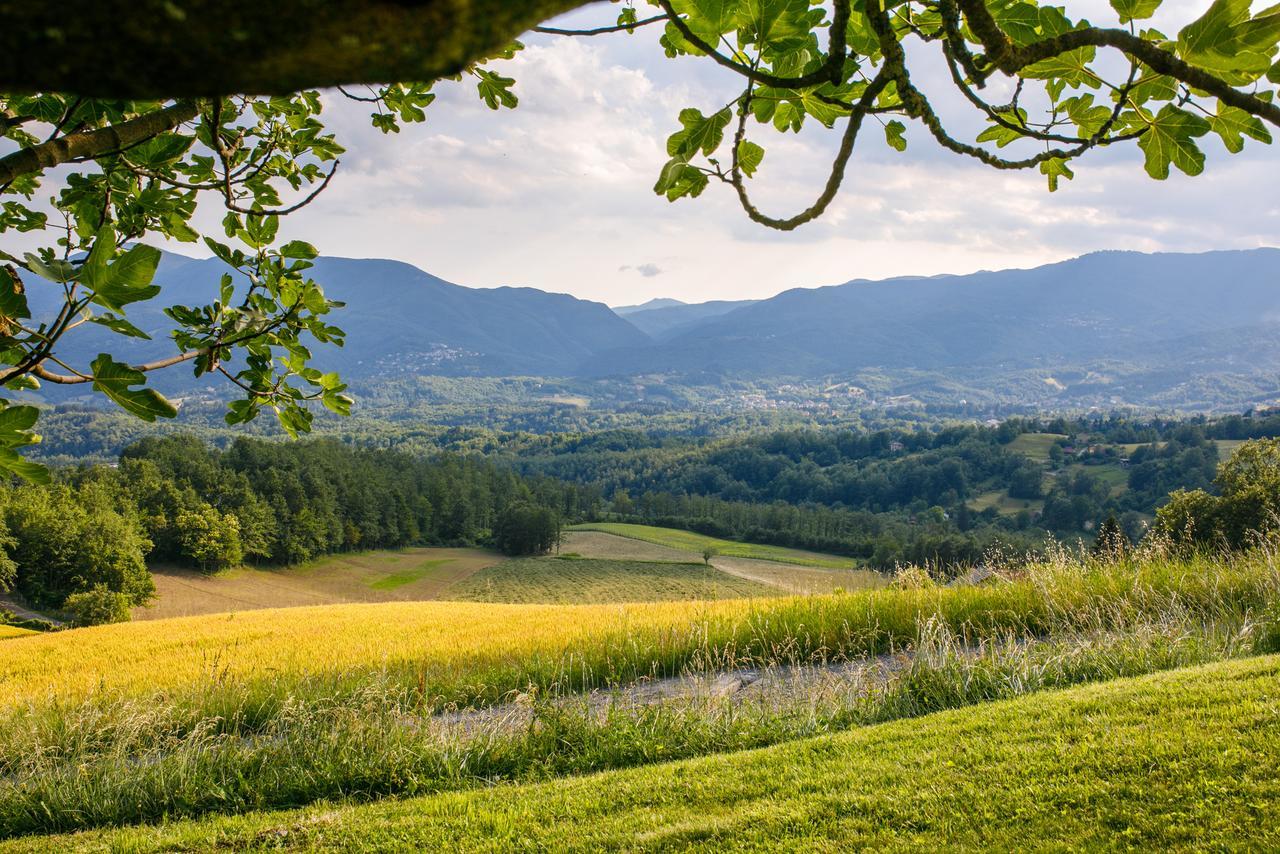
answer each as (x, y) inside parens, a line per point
(551, 580)
(1184, 759)
(376, 576)
(8, 632)
(692, 542)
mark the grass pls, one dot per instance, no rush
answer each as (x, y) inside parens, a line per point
(1035, 446)
(1005, 505)
(591, 580)
(375, 576)
(129, 723)
(396, 580)
(1181, 760)
(689, 541)
(10, 632)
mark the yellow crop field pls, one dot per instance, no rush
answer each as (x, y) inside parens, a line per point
(169, 654)
(7, 632)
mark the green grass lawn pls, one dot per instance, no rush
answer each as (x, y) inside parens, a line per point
(694, 542)
(585, 580)
(1179, 760)
(1005, 505)
(1035, 445)
(408, 576)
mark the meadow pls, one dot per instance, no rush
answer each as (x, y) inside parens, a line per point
(271, 709)
(690, 541)
(571, 578)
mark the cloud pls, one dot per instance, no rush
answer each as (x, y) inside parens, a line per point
(646, 270)
(556, 193)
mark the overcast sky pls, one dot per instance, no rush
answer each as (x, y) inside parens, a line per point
(557, 194)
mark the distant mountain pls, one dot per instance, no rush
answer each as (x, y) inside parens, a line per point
(398, 319)
(668, 321)
(1112, 327)
(1219, 309)
(655, 303)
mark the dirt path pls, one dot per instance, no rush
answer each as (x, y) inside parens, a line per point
(778, 687)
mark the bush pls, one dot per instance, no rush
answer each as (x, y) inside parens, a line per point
(527, 529)
(97, 607)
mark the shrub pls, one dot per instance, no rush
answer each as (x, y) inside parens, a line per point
(97, 606)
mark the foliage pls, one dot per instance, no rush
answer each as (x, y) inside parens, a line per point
(1246, 509)
(97, 606)
(525, 529)
(68, 540)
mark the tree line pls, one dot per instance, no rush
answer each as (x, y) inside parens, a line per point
(178, 501)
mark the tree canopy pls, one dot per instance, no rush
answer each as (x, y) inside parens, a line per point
(202, 102)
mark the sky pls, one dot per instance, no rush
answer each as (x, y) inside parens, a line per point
(557, 194)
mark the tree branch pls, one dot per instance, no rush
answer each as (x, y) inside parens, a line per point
(599, 31)
(94, 143)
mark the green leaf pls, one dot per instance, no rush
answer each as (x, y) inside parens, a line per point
(298, 249)
(116, 381)
(120, 325)
(708, 19)
(1021, 21)
(125, 280)
(11, 461)
(1170, 139)
(1135, 10)
(894, 134)
(55, 270)
(750, 156)
(1002, 135)
(495, 90)
(679, 179)
(15, 432)
(1226, 39)
(1089, 118)
(1055, 169)
(770, 22)
(13, 302)
(700, 133)
(1233, 124)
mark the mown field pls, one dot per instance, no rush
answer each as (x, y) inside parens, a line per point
(1182, 760)
(584, 579)
(787, 577)
(376, 576)
(689, 541)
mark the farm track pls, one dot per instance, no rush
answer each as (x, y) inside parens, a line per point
(775, 687)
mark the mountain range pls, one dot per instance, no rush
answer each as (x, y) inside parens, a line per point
(1167, 318)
